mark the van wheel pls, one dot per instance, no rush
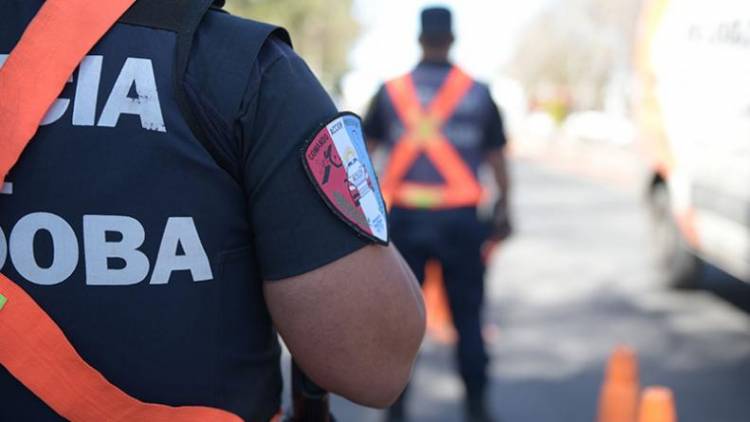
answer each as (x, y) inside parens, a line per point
(679, 268)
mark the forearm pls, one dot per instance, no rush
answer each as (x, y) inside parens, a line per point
(500, 171)
(355, 326)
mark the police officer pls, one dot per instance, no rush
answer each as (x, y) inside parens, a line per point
(166, 220)
(440, 126)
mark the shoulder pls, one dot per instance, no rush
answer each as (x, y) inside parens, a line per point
(483, 91)
(397, 79)
(228, 57)
(232, 45)
(235, 30)
(480, 85)
(381, 93)
(386, 89)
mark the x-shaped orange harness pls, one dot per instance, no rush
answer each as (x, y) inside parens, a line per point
(32, 347)
(424, 135)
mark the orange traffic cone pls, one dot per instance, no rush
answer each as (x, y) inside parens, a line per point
(657, 405)
(619, 396)
(439, 319)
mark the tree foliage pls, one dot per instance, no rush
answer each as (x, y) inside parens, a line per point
(322, 30)
(579, 46)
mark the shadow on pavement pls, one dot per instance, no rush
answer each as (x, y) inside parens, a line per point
(693, 350)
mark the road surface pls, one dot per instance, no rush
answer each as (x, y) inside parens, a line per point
(575, 282)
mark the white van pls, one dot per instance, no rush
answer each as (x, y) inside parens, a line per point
(692, 107)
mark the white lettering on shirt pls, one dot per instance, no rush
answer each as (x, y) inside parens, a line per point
(181, 232)
(64, 246)
(136, 75)
(111, 250)
(98, 250)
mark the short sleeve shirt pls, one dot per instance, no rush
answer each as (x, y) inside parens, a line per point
(283, 104)
(294, 231)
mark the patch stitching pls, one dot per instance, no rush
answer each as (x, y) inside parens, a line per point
(324, 196)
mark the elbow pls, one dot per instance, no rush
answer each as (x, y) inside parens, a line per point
(383, 390)
(378, 386)
(386, 370)
(365, 350)
(376, 375)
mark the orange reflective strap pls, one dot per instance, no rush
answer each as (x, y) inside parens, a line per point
(399, 163)
(34, 74)
(424, 135)
(406, 102)
(32, 347)
(461, 188)
(277, 418)
(454, 89)
(35, 351)
(403, 93)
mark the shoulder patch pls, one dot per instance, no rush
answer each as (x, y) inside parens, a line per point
(337, 163)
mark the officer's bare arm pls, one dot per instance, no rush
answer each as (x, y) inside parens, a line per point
(353, 326)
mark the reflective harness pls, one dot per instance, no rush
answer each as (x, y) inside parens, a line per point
(424, 135)
(32, 346)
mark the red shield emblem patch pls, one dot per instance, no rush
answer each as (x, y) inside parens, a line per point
(337, 163)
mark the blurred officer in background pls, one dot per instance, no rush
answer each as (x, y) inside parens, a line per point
(164, 220)
(440, 126)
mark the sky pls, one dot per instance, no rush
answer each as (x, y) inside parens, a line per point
(486, 30)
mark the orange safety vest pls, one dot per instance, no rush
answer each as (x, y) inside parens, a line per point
(424, 135)
(32, 346)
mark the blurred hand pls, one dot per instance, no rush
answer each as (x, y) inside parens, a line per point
(502, 228)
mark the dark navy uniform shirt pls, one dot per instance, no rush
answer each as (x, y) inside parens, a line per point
(474, 129)
(149, 255)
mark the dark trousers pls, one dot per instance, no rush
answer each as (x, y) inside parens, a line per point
(453, 237)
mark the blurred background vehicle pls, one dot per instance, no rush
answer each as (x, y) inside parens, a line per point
(693, 115)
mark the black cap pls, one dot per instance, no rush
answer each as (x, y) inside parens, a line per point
(437, 22)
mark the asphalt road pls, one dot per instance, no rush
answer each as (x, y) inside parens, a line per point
(574, 283)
